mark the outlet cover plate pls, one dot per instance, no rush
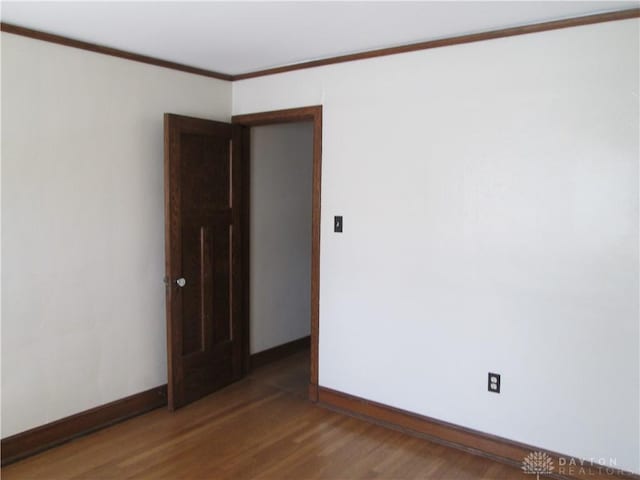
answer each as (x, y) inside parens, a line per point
(493, 382)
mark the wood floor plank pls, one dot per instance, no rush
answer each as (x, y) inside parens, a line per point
(262, 427)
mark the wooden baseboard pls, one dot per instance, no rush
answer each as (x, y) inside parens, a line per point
(313, 392)
(278, 353)
(55, 433)
(472, 441)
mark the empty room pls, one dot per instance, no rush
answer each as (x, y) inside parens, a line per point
(320, 240)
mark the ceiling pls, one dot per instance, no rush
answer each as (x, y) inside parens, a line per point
(239, 37)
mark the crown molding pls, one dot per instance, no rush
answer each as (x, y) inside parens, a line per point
(382, 52)
(114, 52)
(446, 42)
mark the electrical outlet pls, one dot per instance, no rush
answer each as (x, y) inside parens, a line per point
(493, 384)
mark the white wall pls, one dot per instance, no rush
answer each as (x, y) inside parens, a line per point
(280, 256)
(82, 221)
(490, 202)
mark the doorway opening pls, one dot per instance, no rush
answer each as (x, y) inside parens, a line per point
(301, 122)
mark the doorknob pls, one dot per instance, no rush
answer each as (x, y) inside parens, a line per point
(181, 282)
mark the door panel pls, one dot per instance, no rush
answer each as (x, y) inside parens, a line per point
(203, 201)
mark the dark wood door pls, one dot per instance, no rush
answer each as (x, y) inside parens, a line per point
(206, 335)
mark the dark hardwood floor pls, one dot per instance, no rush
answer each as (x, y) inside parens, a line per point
(261, 427)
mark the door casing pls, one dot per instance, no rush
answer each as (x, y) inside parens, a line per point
(303, 114)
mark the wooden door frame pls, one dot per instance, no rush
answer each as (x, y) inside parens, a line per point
(303, 114)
